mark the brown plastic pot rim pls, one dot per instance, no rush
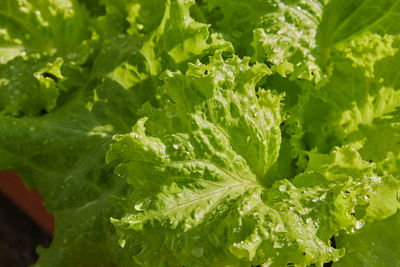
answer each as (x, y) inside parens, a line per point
(28, 200)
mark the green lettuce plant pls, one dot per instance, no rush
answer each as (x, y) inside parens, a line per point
(206, 133)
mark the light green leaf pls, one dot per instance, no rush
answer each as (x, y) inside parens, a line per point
(362, 89)
(179, 39)
(282, 142)
(191, 172)
(277, 32)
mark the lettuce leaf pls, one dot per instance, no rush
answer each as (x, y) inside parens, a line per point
(39, 41)
(277, 32)
(206, 133)
(206, 151)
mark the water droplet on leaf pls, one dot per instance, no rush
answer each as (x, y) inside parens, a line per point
(122, 242)
(198, 252)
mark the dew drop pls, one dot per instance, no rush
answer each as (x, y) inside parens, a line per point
(139, 206)
(186, 227)
(236, 33)
(72, 55)
(282, 188)
(214, 240)
(122, 242)
(359, 224)
(198, 252)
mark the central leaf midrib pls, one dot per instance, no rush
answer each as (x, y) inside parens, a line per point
(223, 190)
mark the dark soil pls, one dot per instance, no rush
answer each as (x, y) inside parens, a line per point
(19, 236)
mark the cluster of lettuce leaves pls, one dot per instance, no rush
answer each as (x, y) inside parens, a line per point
(207, 133)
